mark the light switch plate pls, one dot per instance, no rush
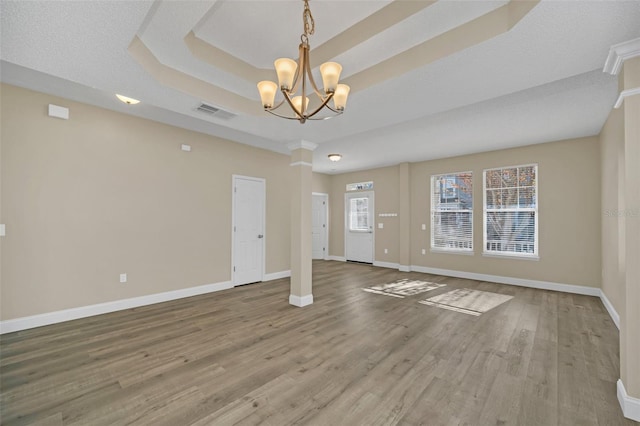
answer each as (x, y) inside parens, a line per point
(424, 227)
(380, 225)
(123, 278)
(2, 230)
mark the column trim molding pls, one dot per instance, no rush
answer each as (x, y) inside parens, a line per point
(301, 301)
(630, 406)
(625, 94)
(301, 163)
(618, 53)
(310, 146)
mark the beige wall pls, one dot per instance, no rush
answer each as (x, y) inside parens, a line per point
(612, 189)
(385, 181)
(321, 183)
(569, 206)
(104, 193)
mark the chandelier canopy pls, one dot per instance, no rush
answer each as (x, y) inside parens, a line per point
(292, 76)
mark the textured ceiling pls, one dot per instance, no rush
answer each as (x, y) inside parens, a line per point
(473, 78)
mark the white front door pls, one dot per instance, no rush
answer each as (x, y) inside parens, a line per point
(319, 226)
(359, 226)
(248, 230)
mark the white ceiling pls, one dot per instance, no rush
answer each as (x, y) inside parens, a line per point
(540, 81)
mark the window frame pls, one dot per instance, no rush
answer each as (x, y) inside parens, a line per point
(350, 216)
(433, 211)
(510, 254)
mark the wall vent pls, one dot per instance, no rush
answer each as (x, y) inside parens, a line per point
(214, 112)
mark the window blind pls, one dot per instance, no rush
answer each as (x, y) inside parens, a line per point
(452, 212)
(511, 211)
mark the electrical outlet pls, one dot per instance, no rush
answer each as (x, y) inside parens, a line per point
(424, 251)
(424, 227)
(380, 225)
(123, 278)
(386, 251)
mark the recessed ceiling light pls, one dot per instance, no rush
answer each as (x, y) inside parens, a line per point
(334, 157)
(126, 100)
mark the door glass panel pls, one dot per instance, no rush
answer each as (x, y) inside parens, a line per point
(359, 214)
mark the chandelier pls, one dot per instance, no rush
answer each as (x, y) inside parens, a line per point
(292, 75)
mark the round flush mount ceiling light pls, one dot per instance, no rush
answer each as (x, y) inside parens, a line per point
(334, 157)
(127, 100)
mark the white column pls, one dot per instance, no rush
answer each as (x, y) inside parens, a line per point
(301, 189)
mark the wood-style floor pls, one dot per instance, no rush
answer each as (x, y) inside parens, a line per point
(245, 356)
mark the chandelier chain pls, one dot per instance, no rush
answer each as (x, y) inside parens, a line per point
(307, 20)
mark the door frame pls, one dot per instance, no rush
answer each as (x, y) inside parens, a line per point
(234, 178)
(326, 216)
(373, 219)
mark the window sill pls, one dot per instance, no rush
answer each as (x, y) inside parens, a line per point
(512, 256)
(445, 251)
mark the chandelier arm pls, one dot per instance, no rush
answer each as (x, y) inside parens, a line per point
(307, 68)
(282, 116)
(299, 69)
(337, 111)
(276, 106)
(324, 103)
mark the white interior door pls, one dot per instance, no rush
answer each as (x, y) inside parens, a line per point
(359, 217)
(319, 226)
(248, 230)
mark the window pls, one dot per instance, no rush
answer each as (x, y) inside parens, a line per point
(359, 186)
(452, 212)
(511, 211)
(359, 214)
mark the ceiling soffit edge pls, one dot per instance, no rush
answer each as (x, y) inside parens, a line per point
(467, 35)
(472, 33)
(189, 84)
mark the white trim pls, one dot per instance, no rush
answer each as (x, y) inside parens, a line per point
(615, 317)
(625, 94)
(276, 275)
(507, 255)
(310, 146)
(522, 282)
(453, 251)
(630, 405)
(618, 53)
(300, 301)
(338, 258)
(301, 163)
(389, 265)
(404, 268)
(233, 223)
(24, 323)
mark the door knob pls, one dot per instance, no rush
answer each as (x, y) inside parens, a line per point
(260, 236)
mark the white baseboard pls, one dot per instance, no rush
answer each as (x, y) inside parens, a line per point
(630, 405)
(300, 301)
(404, 268)
(544, 285)
(385, 264)
(276, 275)
(338, 258)
(24, 323)
(615, 317)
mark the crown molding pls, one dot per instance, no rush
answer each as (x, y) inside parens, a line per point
(619, 53)
(310, 146)
(625, 94)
